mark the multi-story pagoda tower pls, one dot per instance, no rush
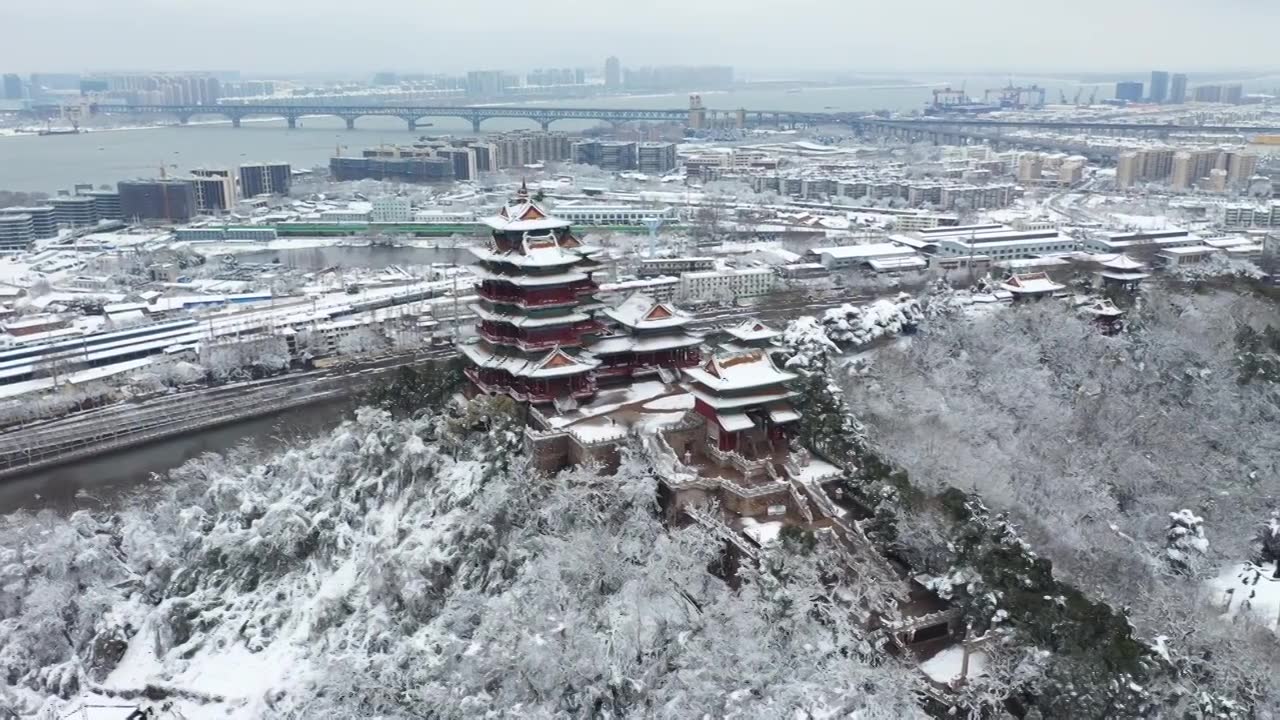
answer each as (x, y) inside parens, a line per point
(535, 286)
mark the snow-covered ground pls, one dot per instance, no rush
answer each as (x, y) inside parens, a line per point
(1249, 592)
(948, 666)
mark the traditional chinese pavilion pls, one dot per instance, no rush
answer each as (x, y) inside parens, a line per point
(745, 402)
(651, 338)
(1121, 272)
(749, 335)
(1030, 286)
(535, 290)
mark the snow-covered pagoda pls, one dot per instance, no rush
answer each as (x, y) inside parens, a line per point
(651, 339)
(1121, 272)
(745, 402)
(535, 287)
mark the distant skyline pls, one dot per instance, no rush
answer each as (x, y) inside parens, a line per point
(339, 37)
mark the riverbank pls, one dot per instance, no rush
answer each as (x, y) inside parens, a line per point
(54, 463)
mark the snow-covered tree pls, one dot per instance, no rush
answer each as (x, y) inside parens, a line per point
(856, 326)
(361, 341)
(1185, 542)
(806, 345)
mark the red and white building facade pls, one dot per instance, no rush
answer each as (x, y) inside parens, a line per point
(744, 400)
(650, 337)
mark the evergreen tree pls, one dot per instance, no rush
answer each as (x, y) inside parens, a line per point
(1185, 542)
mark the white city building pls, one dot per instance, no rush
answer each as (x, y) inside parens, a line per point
(391, 209)
(725, 285)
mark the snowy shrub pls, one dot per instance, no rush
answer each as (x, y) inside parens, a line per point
(856, 326)
(806, 344)
(362, 341)
(1185, 543)
(254, 357)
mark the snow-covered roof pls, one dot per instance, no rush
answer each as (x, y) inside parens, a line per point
(561, 278)
(544, 253)
(639, 311)
(897, 263)
(1188, 251)
(783, 413)
(739, 371)
(865, 251)
(529, 320)
(556, 363)
(735, 422)
(523, 215)
(1031, 283)
(626, 343)
(752, 331)
(1103, 308)
(1119, 261)
(763, 398)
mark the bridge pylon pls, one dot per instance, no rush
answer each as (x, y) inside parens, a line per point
(351, 121)
(291, 121)
(475, 124)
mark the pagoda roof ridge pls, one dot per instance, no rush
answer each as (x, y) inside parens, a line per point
(752, 329)
(739, 371)
(641, 311)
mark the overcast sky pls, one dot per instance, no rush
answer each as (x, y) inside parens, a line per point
(358, 36)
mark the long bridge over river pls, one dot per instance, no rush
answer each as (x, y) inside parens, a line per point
(926, 128)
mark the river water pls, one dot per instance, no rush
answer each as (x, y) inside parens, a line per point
(104, 157)
(30, 162)
(107, 479)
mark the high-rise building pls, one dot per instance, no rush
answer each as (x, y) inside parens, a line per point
(74, 211)
(1216, 181)
(1030, 167)
(16, 233)
(613, 73)
(1129, 90)
(44, 221)
(1159, 86)
(1208, 93)
(215, 191)
(265, 179)
(408, 168)
(1178, 89)
(12, 87)
(613, 156)
(106, 203)
(656, 158)
(489, 83)
(518, 149)
(1128, 169)
(172, 200)
(464, 162)
(1241, 166)
(1233, 94)
(485, 154)
(1189, 166)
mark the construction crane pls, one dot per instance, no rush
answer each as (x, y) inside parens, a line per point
(1079, 92)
